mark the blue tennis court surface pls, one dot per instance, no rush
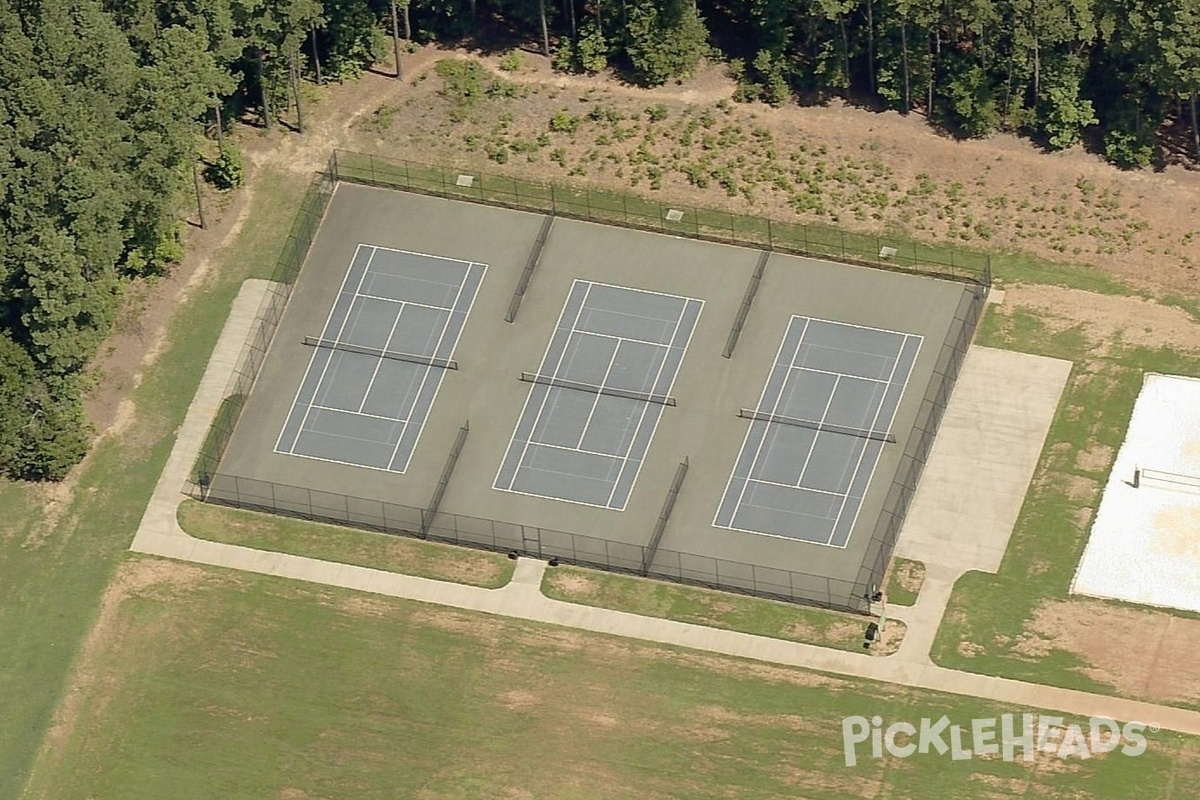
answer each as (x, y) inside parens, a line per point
(598, 395)
(821, 423)
(377, 365)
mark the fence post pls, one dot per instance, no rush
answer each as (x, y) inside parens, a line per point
(553, 201)
(587, 196)
(625, 209)
(770, 235)
(407, 179)
(371, 161)
(696, 221)
(442, 172)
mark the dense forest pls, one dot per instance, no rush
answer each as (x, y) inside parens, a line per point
(105, 106)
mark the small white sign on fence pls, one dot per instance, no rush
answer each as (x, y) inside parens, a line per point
(674, 215)
(465, 180)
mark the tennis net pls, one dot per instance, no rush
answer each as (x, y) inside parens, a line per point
(1175, 481)
(412, 358)
(612, 391)
(862, 433)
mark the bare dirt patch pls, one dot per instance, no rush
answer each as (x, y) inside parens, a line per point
(1106, 318)
(365, 606)
(969, 649)
(457, 622)
(574, 584)
(1079, 488)
(1096, 458)
(1166, 667)
(878, 171)
(910, 575)
(519, 699)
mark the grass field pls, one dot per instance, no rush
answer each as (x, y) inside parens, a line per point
(700, 606)
(240, 686)
(54, 570)
(991, 612)
(406, 556)
(211, 684)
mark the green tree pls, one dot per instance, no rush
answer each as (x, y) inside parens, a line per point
(665, 39)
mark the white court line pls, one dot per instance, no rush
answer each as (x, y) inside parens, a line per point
(404, 302)
(343, 436)
(513, 439)
(817, 434)
(357, 414)
(774, 408)
(852, 325)
(424, 255)
(596, 401)
(343, 463)
(580, 450)
(841, 374)
(336, 340)
(750, 429)
(658, 419)
(429, 370)
(874, 422)
(799, 488)
(634, 289)
(453, 349)
(622, 338)
(646, 406)
(379, 362)
(311, 358)
(557, 367)
(554, 497)
(786, 538)
(879, 457)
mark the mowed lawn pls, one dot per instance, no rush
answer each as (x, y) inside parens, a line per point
(206, 683)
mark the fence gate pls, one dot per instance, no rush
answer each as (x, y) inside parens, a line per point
(532, 541)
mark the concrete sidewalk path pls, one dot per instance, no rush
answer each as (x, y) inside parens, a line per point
(159, 534)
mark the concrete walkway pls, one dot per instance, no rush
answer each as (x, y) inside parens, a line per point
(159, 534)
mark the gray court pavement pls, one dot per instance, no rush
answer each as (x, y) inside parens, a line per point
(159, 534)
(981, 462)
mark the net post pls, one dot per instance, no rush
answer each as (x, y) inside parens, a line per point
(1137, 477)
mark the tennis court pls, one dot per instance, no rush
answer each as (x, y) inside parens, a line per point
(596, 399)
(822, 421)
(377, 365)
(582, 401)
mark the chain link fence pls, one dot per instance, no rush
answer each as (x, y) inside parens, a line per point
(631, 211)
(208, 483)
(270, 311)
